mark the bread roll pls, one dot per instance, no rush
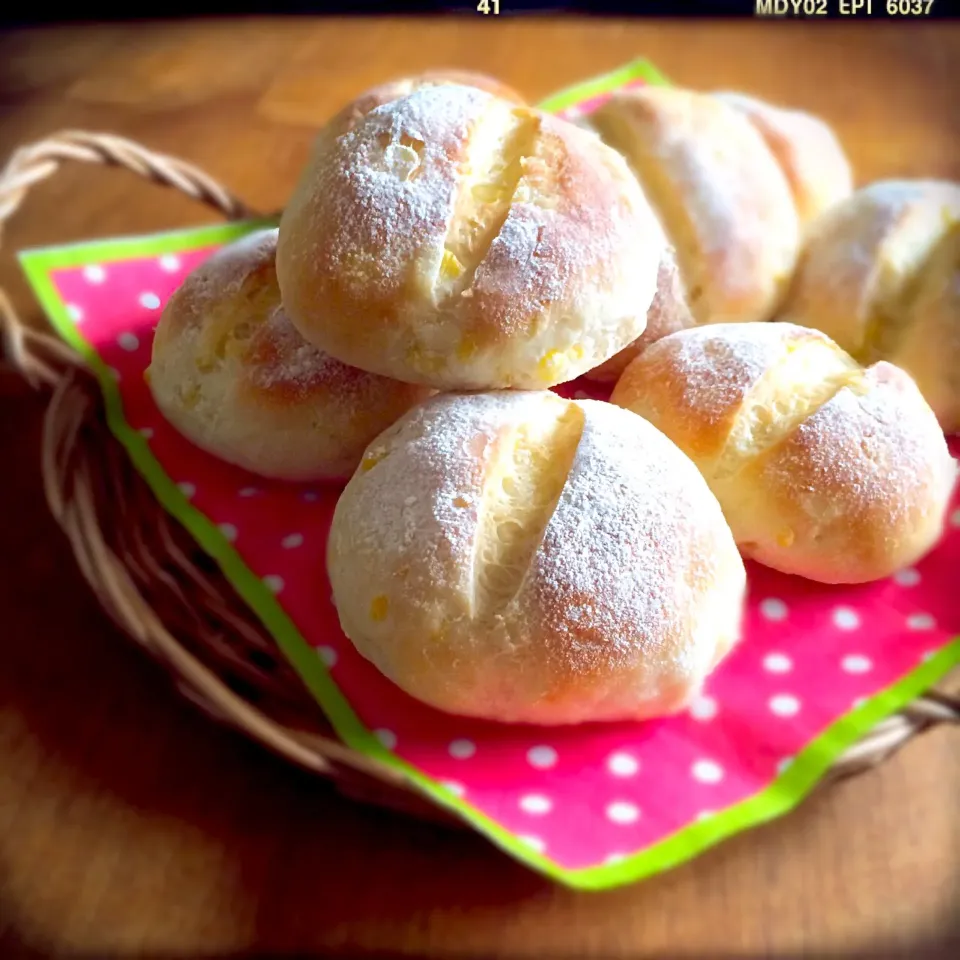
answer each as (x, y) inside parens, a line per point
(231, 373)
(454, 239)
(823, 469)
(668, 313)
(806, 150)
(724, 202)
(524, 558)
(881, 276)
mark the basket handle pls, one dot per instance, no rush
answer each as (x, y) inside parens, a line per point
(41, 358)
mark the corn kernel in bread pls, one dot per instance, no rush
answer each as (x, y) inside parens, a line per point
(823, 469)
(525, 558)
(232, 374)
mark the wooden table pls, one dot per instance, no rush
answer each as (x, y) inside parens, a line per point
(131, 825)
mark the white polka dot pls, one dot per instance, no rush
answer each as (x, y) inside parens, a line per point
(187, 489)
(907, 578)
(777, 663)
(858, 703)
(387, 737)
(784, 764)
(94, 273)
(773, 609)
(146, 432)
(784, 705)
(115, 373)
(249, 492)
(328, 655)
(707, 771)
(229, 531)
(274, 582)
(462, 749)
(292, 541)
(128, 342)
(929, 655)
(846, 619)
(705, 815)
(856, 663)
(74, 312)
(955, 518)
(149, 300)
(169, 263)
(622, 765)
(921, 621)
(457, 789)
(620, 811)
(703, 708)
(534, 843)
(612, 858)
(310, 496)
(581, 395)
(536, 804)
(541, 757)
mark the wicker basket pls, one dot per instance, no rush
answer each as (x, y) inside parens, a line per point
(156, 582)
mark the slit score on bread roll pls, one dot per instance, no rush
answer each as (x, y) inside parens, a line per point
(735, 182)
(881, 276)
(823, 469)
(520, 557)
(232, 374)
(456, 239)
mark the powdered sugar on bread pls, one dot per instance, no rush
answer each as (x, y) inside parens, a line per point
(462, 241)
(631, 590)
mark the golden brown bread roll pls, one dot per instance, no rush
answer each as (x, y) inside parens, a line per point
(733, 181)
(525, 558)
(823, 469)
(455, 239)
(881, 275)
(231, 373)
(724, 203)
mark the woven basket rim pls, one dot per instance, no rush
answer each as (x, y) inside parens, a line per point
(76, 445)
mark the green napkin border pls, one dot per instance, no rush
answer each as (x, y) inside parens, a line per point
(789, 788)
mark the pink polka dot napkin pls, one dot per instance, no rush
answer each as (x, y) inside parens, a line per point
(592, 806)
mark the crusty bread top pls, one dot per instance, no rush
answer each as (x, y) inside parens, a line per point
(723, 200)
(609, 560)
(724, 391)
(806, 149)
(450, 202)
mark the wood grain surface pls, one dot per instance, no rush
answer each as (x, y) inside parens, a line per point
(130, 825)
